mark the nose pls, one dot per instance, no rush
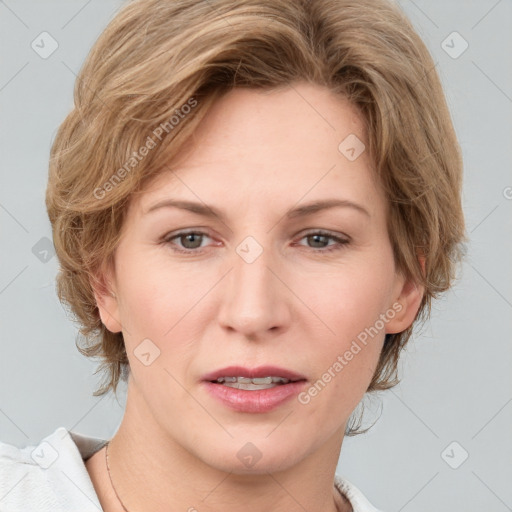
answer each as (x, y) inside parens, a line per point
(255, 301)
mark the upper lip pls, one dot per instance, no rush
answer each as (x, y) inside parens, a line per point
(251, 373)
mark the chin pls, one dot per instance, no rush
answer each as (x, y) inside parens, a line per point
(259, 456)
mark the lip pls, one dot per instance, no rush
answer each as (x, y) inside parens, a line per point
(262, 401)
(251, 373)
(254, 401)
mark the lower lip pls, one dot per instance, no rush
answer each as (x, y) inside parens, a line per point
(264, 400)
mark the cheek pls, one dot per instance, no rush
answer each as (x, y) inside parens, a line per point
(156, 297)
(348, 300)
(172, 309)
(347, 306)
(348, 349)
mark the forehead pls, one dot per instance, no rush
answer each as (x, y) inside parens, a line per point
(288, 123)
(271, 145)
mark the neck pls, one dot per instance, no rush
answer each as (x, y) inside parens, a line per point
(144, 457)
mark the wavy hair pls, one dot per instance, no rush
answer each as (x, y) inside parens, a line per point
(159, 66)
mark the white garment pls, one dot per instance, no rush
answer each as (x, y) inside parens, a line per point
(52, 477)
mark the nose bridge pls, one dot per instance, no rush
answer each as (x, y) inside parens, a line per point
(253, 302)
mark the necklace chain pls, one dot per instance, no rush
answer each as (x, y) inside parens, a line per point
(111, 482)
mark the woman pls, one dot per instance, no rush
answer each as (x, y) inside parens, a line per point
(252, 204)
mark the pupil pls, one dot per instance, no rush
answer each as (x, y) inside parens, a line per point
(316, 239)
(194, 238)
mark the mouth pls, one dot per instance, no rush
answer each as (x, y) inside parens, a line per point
(257, 390)
(263, 377)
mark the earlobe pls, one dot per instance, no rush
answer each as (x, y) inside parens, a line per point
(106, 301)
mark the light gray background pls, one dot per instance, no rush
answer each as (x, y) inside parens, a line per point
(456, 375)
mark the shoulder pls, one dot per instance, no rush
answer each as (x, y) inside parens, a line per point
(356, 498)
(49, 476)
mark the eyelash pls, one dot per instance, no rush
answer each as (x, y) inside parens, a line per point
(341, 242)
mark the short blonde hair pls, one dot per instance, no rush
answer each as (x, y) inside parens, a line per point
(160, 65)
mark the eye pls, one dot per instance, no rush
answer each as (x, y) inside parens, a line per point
(190, 241)
(320, 240)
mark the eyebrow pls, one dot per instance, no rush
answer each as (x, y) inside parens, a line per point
(301, 211)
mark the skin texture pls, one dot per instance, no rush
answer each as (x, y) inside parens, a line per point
(255, 156)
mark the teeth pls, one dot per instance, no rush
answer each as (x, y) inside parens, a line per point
(262, 380)
(280, 380)
(252, 384)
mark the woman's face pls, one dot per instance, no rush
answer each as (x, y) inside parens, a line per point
(270, 280)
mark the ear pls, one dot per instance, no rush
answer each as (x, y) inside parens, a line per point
(406, 303)
(106, 299)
